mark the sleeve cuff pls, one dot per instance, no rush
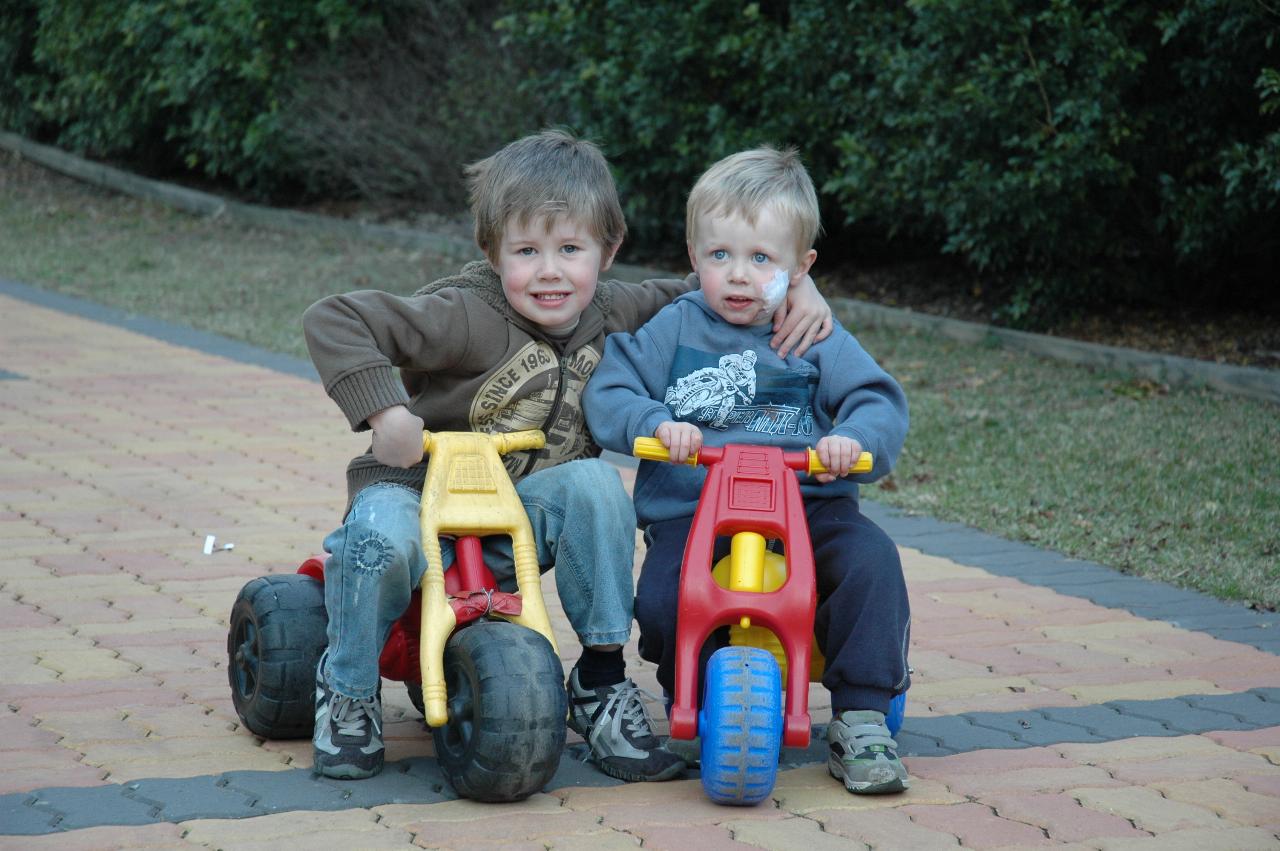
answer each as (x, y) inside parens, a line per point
(364, 393)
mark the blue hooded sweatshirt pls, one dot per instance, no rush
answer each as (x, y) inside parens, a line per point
(687, 364)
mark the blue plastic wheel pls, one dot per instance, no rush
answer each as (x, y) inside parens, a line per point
(897, 709)
(741, 726)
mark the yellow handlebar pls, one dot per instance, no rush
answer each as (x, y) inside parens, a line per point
(651, 449)
(862, 465)
(511, 441)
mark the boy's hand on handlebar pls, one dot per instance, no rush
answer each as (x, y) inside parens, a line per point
(837, 454)
(803, 318)
(397, 436)
(683, 440)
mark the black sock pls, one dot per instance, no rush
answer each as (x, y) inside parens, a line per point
(599, 668)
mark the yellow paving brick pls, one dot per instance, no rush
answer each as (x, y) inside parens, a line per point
(151, 837)
(21, 568)
(1120, 628)
(32, 641)
(1228, 799)
(93, 664)
(340, 829)
(24, 670)
(1145, 690)
(606, 839)
(1212, 839)
(790, 833)
(1143, 653)
(1139, 749)
(90, 725)
(920, 567)
(187, 720)
(138, 769)
(146, 625)
(817, 790)
(30, 548)
(1147, 809)
(103, 586)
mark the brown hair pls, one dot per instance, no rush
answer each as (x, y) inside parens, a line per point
(550, 174)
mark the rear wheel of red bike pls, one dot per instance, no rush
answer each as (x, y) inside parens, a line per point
(274, 644)
(507, 710)
(741, 725)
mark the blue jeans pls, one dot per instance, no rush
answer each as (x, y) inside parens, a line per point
(583, 525)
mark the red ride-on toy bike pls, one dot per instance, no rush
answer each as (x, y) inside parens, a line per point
(768, 602)
(479, 663)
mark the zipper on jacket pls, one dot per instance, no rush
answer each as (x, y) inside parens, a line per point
(551, 418)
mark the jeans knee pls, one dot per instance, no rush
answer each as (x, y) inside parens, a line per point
(364, 551)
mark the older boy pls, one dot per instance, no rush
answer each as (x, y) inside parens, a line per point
(507, 344)
(701, 370)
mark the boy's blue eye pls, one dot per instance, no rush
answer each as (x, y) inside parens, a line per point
(571, 249)
(760, 257)
(719, 254)
(526, 251)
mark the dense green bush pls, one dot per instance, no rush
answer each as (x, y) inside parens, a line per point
(395, 112)
(181, 84)
(1067, 151)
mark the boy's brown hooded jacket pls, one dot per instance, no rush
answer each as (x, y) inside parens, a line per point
(469, 362)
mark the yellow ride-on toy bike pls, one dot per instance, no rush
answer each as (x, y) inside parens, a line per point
(480, 663)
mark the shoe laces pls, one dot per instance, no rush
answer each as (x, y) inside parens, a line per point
(627, 699)
(350, 714)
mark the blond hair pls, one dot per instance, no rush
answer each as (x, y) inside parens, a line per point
(550, 174)
(750, 181)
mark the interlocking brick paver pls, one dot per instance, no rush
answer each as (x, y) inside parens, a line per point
(1146, 808)
(793, 832)
(1049, 780)
(1062, 817)
(1229, 799)
(152, 837)
(677, 838)
(344, 829)
(977, 826)
(886, 829)
(1210, 839)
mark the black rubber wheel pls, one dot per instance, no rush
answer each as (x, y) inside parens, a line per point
(507, 708)
(276, 638)
(415, 697)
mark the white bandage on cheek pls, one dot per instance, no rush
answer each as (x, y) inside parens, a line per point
(775, 291)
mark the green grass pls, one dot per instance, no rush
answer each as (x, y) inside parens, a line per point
(1182, 486)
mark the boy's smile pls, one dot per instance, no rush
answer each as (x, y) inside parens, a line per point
(549, 269)
(745, 268)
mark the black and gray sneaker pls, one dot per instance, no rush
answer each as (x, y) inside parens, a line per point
(863, 755)
(348, 732)
(616, 725)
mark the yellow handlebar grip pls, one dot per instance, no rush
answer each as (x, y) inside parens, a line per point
(651, 449)
(513, 441)
(862, 465)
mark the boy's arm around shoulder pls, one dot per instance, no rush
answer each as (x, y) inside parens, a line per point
(866, 403)
(356, 341)
(633, 305)
(623, 399)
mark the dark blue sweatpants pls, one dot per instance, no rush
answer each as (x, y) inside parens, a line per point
(863, 621)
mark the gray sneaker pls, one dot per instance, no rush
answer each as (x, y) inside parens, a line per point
(863, 755)
(348, 732)
(617, 728)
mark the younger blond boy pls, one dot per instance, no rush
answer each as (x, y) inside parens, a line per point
(701, 371)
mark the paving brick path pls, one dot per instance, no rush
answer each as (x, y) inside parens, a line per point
(1055, 703)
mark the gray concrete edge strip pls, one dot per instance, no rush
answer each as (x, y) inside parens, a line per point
(1175, 371)
(245, 794)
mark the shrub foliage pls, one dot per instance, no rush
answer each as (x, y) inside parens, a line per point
(1067, 151)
